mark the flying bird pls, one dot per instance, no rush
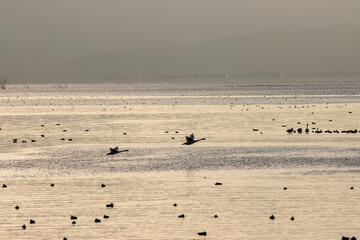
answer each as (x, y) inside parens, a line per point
(191, 139)
(115, 150)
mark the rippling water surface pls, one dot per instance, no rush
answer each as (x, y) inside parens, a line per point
(247, 148)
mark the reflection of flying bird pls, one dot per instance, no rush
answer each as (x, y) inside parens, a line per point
(191, 139)
(115, 150)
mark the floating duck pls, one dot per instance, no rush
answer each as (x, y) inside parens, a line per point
(111, 205)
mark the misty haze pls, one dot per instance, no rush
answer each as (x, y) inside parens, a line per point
(115, 41)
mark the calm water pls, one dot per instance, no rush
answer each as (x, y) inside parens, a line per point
(80, 122)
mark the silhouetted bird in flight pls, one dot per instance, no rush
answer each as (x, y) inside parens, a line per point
(191, 139)
(115, 150)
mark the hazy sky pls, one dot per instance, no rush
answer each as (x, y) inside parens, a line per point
(34, 33)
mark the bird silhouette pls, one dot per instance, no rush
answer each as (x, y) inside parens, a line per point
(115, 150)
(191, 140)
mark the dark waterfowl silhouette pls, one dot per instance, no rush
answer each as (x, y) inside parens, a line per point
(24, 226)
(318, 131)
(353, 238)
(111, 205)
(97, 220)
(103, 185)
(181, 216)
(32, 221)
(215, 216)
(290, 130)
(52, 185)
(191, 140)
(202, 233)
(272, 217)
(218, 183)
(105, 216)
(115, 150)
(17, 207)
(73, 222)
(175, 205)
(4, 186)
(292, 218)
(345, 238)
(307, 128)
(73, 217)
(285, 188)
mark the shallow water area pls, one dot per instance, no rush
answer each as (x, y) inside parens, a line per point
(63, 134)
(143, 206)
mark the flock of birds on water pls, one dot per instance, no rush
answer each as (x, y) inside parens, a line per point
(72, 217)
(189, 140)
(111, 205)
(317, 130)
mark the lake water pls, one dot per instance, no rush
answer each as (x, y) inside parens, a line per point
(247, 149)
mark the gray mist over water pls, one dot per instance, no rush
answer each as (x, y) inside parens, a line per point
(115, 41)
